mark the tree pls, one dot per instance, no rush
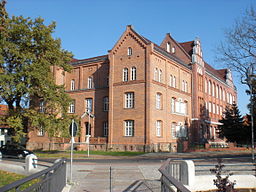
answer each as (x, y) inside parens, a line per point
(238, 51)
(28, 56)
(232, 127)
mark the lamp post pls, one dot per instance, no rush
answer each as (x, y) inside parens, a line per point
(251, 75)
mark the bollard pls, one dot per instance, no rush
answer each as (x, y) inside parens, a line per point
(31, 162)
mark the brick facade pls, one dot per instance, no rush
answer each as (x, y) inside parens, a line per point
(149, 97)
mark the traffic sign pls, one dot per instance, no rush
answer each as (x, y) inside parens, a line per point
(74, 128)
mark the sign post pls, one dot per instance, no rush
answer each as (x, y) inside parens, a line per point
(72, 131)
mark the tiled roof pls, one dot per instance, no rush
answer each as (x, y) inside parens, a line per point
(218, 73)
(89, 60)
(188, 47)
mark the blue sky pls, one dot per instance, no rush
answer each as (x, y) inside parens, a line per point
(90, 28)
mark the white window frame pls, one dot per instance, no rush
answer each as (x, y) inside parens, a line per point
(133, 73)
(129, 100)
(90, 82)
(213, 89)
(72, 107)
(173, 102)
(41, 106)
(173, 130)
(105, 128)
(72, 85)
(168, 47)
(209, 87)
(40, 131)
(155, 74)
(129, 128)
(125, 74)
(171, 80)
(174, 82)
(105, 104)
(160, 75)
(88, 105)
(129, 51)
(158, 128)
(158, 101)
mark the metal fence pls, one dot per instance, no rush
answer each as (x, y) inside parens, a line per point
(171, 177)
(52, 179)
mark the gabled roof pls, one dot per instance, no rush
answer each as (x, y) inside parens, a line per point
(219, 73)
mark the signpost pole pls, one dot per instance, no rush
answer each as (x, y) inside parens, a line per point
(71, 151)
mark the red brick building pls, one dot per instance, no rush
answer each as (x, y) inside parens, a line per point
(146, 97)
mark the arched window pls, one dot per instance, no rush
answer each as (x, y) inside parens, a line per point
(129, 51)
(186, 86)
(171, 80)
(133, 73)
(155, 74)
(168, 47)
(183, 85)
(220, 94)
(160, 75)
(213, 89)
(205, 86)
(174, 81)
(90, 83)
(125, 74)
(209, 87)
(173, 101)
(217, 91)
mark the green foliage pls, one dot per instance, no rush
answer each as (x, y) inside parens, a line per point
(29, 57)
(232, 127)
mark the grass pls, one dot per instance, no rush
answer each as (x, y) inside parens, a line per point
(8, 177)
(82, 154)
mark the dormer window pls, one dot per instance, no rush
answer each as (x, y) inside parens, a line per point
(168, 47)
(129, 51)
(173, 50)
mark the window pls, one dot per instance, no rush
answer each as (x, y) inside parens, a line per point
(174, 81)
(213, 108)
(129, 100)
(42, 107)
(213, 89)
(105, 104)
(158, 128)
(186, 86)
(129, 51)
(209, 87)
(217, 92)
(158, 101)
(217, 109)
(40, 131)
(88, 105)
(223, 95)
(105, 128)
(168, 47)
(180, 106)
(155, 74)
(72, 107)
(125, 74)
(129, 127)
(171, 80)
(160, 75)
(173, 105)
(133, 73)
(205, 86)
(173, 130)
(72, 86)
(220, 94)
(181, 130)
(210, 107)
(90, 83)
(183, 85)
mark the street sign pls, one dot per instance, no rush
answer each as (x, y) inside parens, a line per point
(74, 128)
